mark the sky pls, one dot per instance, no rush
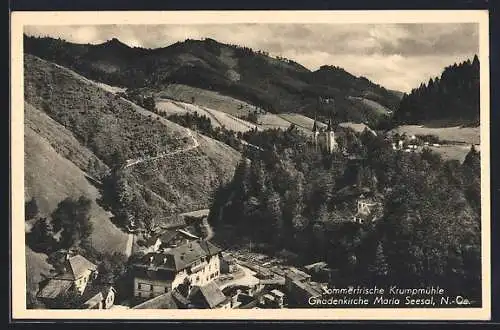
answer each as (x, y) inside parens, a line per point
(396, 56)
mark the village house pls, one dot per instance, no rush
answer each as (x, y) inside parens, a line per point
(279, 297)
(320, 271)
(98, 297)
(209, 296)
(228, 264)
(366, 210)
(299, 286)
(74, 287)
(169, 239)
(195, 263)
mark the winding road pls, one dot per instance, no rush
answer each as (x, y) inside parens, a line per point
(130, 243)
(136, 161)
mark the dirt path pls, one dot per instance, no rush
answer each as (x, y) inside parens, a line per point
(130, 243)
(195, 145)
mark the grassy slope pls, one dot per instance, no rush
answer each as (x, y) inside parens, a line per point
(61, 139)
(210, 99)
(105, 122)
(372, 105)
(468, 135)
(51, 178)
(460, 138)
(181, 183)
(186, 181)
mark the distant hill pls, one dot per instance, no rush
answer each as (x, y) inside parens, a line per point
(92, 130)
(451, 99)
(274, 84)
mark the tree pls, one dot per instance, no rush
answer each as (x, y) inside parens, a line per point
(41, 236)
(72, 216)
(112, 268)
(275, 217)
(379, 268)
(117, 160)
(31, 209)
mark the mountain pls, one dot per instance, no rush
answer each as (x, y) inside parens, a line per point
(92, 133)
(274, 84)
(453, 97)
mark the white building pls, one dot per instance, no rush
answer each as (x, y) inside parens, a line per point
(324, 138)
(195, 263)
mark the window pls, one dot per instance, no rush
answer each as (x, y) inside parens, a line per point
(139, 286)
(151, 288)
(166, 289)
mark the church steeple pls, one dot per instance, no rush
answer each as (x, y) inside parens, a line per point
(315, 126)
(329, 128)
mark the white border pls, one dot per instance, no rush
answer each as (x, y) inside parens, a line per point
(19, 19)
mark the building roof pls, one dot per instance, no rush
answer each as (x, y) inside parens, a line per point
(277, 293)
(180, 257)
(307, 288)
(209, 247)
(209, 294)
(93, 300)
(168, 235)
(296, 274)
(269, 297)
(179, 297)
(316, 265)
(75, 267)
(163, 301)
(54, 288)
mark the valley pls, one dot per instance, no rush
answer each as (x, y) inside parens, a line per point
(246, 165)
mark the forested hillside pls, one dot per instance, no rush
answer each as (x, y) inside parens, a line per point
(274, 84)
(453, 97)
(293, 197)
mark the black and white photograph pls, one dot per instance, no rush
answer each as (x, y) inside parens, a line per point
(257, 167)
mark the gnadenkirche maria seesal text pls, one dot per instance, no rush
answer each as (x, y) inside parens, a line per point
(388, 296)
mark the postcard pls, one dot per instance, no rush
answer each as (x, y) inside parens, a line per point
(258, 165)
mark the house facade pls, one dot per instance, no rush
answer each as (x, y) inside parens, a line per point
(73, 283)
(195, 263)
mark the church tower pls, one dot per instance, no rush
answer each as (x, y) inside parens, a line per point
(315, 133)
(331, 144)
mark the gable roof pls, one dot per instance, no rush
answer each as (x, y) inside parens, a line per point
(163, 301)
(78, 265)
(54, 288)
(182, 256)
(210, 248)
(209, 294)
(93, 300)
(168, 235)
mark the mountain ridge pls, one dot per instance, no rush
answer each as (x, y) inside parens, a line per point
(274, 84)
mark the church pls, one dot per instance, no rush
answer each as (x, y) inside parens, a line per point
(324, 139)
